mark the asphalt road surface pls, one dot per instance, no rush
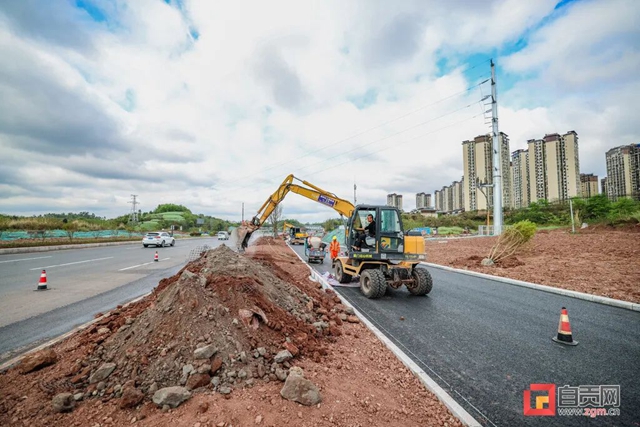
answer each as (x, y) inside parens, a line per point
(82, 282)
(485, 342)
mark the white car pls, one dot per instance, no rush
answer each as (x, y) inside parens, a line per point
(223, 235)
(158, 239)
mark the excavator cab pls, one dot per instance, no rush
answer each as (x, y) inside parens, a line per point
(386, 259)
(388, 240)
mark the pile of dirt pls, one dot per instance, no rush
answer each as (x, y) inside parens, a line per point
(598, 260)
(223, 322)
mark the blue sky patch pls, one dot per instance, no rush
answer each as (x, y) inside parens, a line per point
(93, 11)
(365, 100)
(129, 103)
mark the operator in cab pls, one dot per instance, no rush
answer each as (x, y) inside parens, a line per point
(369, 230)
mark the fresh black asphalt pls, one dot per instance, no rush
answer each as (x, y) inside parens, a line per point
(26, 334)
(485, 342)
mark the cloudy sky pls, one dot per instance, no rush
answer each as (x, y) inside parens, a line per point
(212, 104)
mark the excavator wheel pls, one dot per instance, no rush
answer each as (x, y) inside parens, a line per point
(340, 274)
(373, 284)
(423, 282)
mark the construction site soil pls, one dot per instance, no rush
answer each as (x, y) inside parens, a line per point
(217, 345)
(599, 260)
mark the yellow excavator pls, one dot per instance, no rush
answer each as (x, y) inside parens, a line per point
(296, 234)
(385, 258)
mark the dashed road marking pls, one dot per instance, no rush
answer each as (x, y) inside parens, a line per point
(71, 263)
(25, 259)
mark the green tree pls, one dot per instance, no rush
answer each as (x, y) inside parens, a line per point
(598, 207)
(624, 207)
(170, 207)
(331, 224)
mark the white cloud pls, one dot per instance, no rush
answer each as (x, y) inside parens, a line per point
(141, 107)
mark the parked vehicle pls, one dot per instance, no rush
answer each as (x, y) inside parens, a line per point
(159, 238)
(223, 235)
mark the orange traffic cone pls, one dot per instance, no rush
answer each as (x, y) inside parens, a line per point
(42, 284)
(564, 330)
(155, 258)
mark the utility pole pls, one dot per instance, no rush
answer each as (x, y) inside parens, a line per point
(480, 185)
(355, 200)
(133, 217)
(497, 157)
(242, 211)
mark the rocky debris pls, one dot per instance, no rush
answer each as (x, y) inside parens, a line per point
(301, 390)
(198, 380)
(131, 397)
(282, 356)
(205, 352)
(291, 348)
(216, 364)
(63, 402)
(353, 319)
(102, 373)
(171, 396)
(224, 322)
(187, 334)
(38, 360)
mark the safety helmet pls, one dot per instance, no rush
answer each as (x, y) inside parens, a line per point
(335, 238)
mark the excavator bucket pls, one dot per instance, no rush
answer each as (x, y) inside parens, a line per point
(242, 235)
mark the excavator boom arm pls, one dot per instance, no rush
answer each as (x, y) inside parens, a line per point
(310, 191)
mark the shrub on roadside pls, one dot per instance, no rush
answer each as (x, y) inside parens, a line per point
(511, 240)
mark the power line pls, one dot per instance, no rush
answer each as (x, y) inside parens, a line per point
(399, 143)
(392, 135)
(359, 133)
(368, 143)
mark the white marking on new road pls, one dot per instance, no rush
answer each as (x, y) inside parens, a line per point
(71, 263)
(25, 259)
(140, 265)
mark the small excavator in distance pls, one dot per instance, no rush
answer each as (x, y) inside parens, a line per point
(296, 234)
(387, 259)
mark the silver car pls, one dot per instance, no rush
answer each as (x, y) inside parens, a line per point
(223, 235)
(160, 238)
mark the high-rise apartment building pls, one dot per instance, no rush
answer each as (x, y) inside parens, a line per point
(623, 172)
(423, 200)
(437, 195)
(394, 200)
(603, 186)
(450, 198)
(554, 167)
(477, 160)
(457, 195)
(520, 196)
(589, 184)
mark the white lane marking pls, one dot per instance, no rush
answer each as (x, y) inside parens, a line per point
(71, 263)
(140, 265)
(25, 259)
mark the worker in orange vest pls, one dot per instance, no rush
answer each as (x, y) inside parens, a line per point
(334, 248)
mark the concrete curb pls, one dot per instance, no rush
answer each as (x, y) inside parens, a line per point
(458, 411)
(550, 289)
(8, 364)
